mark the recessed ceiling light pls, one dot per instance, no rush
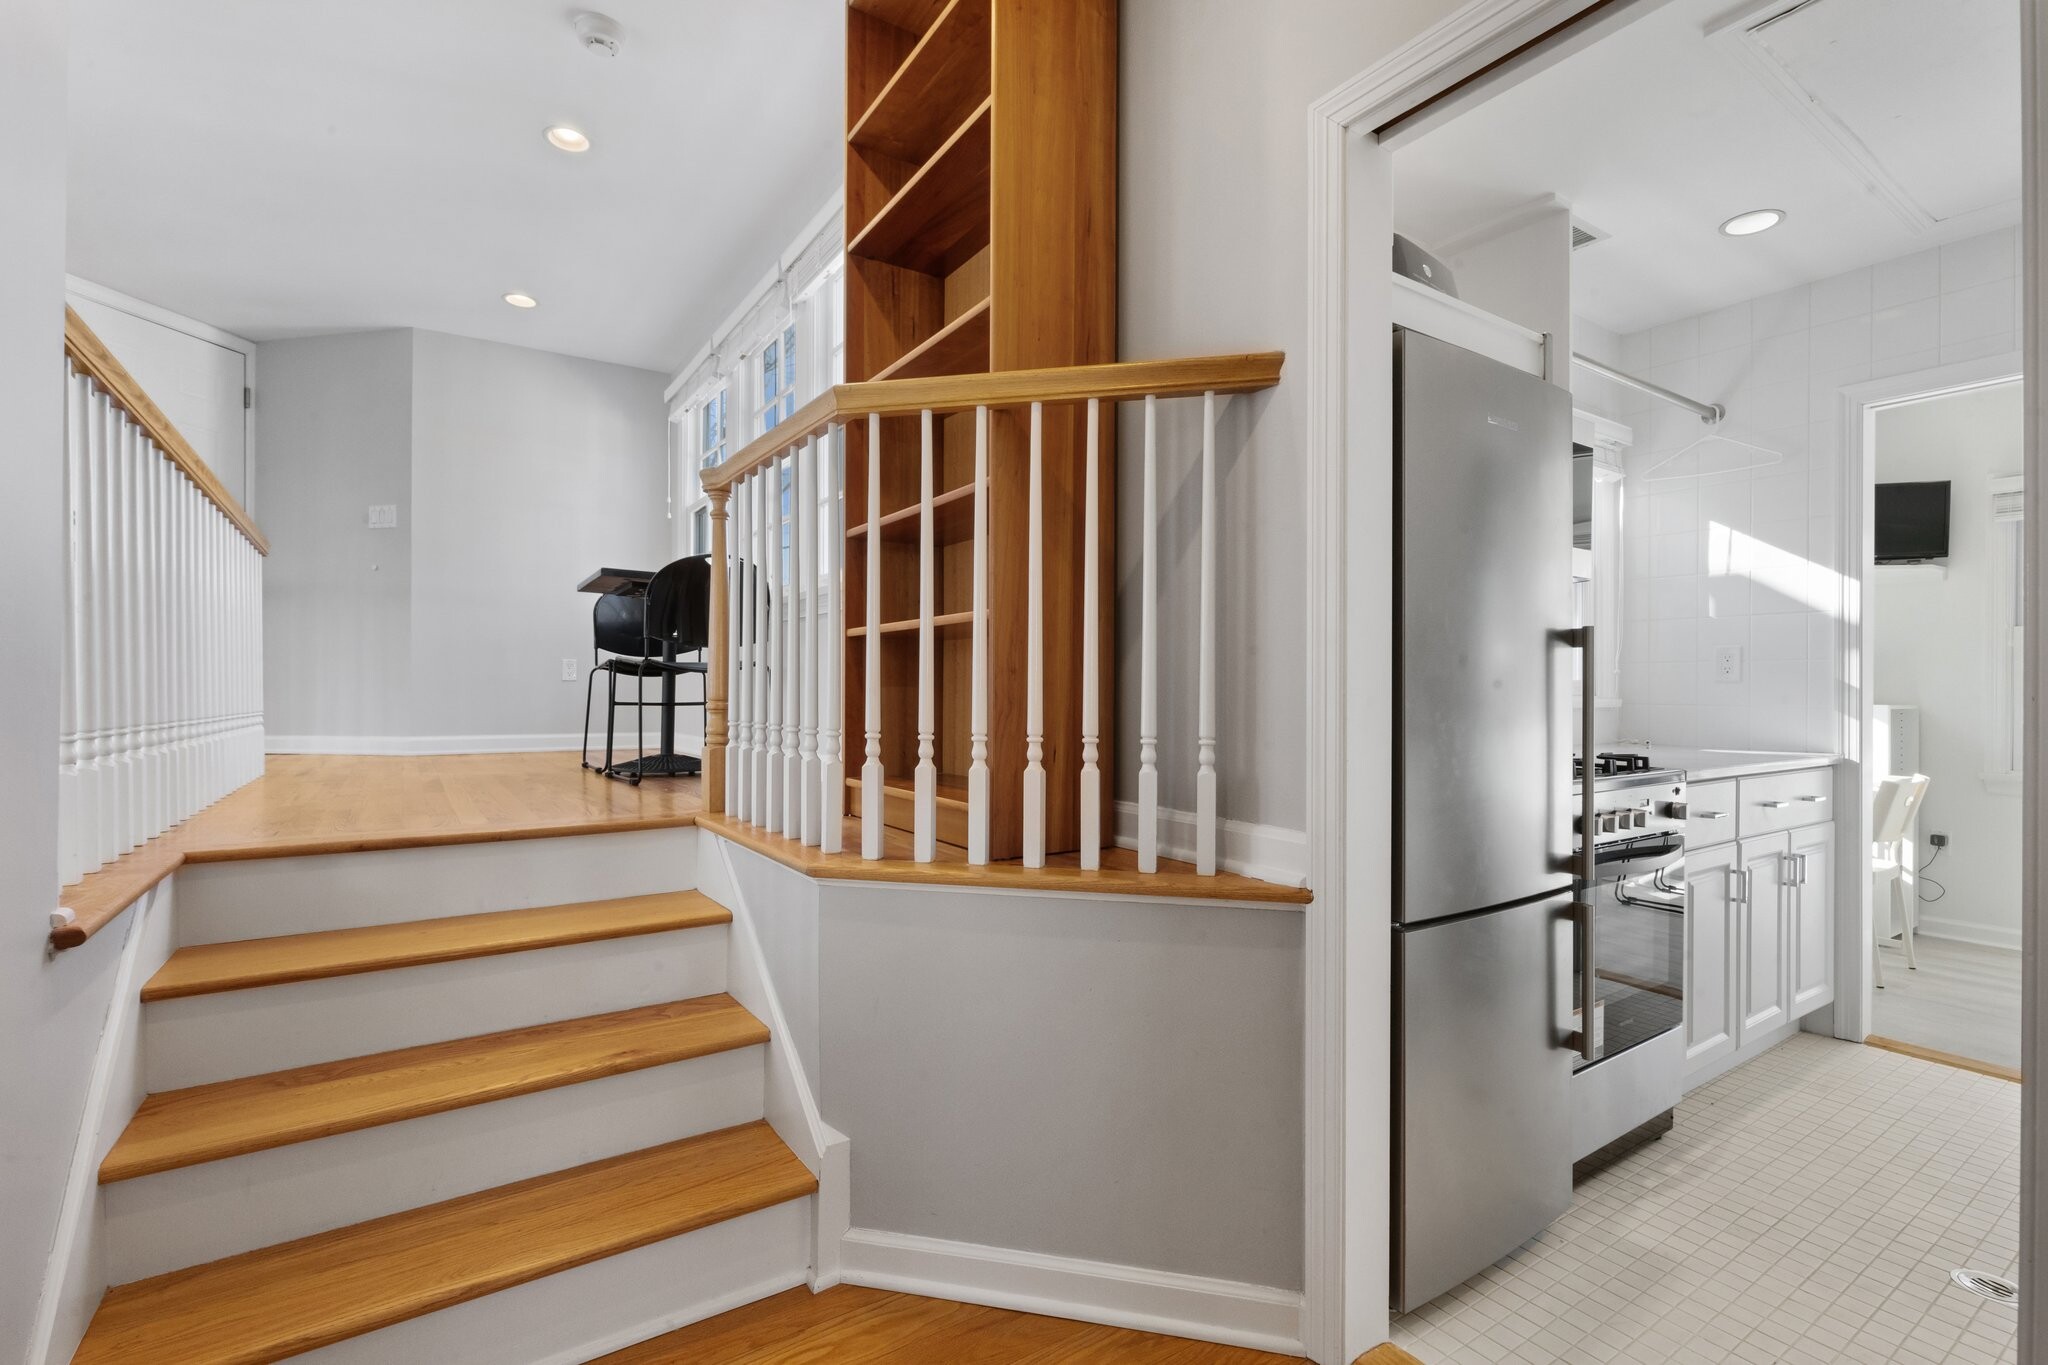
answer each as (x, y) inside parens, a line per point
(522, 300)
(568, 139)
(1753, 222)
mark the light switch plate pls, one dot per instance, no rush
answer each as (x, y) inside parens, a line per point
(383, 516)
(1728, 664)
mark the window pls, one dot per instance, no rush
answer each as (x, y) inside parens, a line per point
(711, 430)
(2005, 725)
(778, 379)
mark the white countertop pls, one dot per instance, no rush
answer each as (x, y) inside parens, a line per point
(1706, 765)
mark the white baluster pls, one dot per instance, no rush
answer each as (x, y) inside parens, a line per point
(832, 650)
(1148, 652)
(871, 796)
(1034, 641)
(130, 667)
(778, 609)
(1091, 651)
(730, 576)
(924, 823)
(809, 799)
(106, 799)
(977, 749)
(70, 855)
(741, 648)
(764, 638)
(1205, 719)
(792, 658)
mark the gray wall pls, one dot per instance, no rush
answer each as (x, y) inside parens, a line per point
(51, 1009)
(1112, 1080)
(529, 470)
(515, 472)
(337, 436)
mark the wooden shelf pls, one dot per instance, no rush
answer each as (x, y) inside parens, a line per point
(952, 519)
(941, 217)
(912, 16)
(950, 620)
(945, 76)
(960, 347)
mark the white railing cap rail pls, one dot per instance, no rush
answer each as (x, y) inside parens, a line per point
(1188, 376)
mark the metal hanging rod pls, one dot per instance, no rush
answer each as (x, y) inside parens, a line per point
(1709, 413)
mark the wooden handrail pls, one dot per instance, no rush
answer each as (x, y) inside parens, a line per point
(1121, 381)
(93, 359)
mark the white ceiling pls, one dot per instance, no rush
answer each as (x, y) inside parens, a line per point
(1881, 127)
(290, 167)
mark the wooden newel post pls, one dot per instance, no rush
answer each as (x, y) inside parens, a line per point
(715, 680)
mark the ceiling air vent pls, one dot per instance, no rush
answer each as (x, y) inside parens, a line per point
(1585, 235)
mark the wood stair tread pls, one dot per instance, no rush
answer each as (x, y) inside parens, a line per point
(278, 1301)
(252, 1113)
(210, 967)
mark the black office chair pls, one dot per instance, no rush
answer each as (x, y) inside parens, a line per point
(637, 631)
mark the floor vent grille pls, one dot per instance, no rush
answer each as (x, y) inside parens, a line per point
(1993, 1287)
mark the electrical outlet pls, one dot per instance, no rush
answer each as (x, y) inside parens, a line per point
(1937, 840)
(568, 670)
(1728, 664)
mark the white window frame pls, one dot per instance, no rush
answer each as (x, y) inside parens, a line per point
(2005, 712)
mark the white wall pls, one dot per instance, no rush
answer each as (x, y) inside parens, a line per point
(1933, 648)
(1213, 184)
(515, 473)
(1147, 1111)
(1753, 559)
(52, 1010)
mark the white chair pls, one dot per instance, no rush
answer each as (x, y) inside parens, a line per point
(1891, 814)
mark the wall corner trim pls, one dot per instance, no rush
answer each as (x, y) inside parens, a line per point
(1225, 1311)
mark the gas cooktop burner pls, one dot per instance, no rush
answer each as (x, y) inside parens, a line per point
(1611, 765)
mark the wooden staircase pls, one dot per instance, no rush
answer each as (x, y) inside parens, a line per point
(305, 1208)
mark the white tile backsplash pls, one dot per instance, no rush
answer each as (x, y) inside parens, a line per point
(1732, 546)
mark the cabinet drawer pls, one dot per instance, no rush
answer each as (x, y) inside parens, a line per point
(1710, 814)
(1778, 801)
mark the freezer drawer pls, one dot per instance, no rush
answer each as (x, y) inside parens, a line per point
(1483, 1133)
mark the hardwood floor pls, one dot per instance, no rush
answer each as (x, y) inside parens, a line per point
(329, 803)
(850, 1326)
(1964, 1000)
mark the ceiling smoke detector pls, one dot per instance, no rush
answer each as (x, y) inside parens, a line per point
(598, 33)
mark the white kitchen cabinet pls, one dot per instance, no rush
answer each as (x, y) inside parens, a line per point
(1712, 975)
(1766, 978)
(1810, 916)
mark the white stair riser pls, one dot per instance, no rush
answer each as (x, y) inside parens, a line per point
(203, 1038)
(262, 897)
(201, 1213)
(573, 1316)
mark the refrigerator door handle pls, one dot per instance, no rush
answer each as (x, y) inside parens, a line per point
(1581, 1039)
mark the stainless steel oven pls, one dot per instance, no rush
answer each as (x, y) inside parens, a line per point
(1627, 1082)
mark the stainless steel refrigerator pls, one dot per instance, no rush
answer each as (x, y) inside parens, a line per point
(1483, 874)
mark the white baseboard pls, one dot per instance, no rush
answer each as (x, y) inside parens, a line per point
(1968, 931)
(458, 744)
(1266, 852)
(1225, 1311)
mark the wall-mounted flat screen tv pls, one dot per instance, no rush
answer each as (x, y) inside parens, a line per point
(1912, 522)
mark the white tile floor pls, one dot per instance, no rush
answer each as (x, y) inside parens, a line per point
(1807, 1209)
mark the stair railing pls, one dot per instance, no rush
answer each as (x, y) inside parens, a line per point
(163, 592)
(775, 754)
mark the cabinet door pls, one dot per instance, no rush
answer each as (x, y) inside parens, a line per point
(1811, 903)
(1711, 967)
(1766, 978)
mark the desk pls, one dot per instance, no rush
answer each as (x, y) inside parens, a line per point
(665, 762)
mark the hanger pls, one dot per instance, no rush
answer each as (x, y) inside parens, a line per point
(1771, 458)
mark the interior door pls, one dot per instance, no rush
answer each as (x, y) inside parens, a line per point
(1712, 972)
(1766, 975)
(1482, 1077)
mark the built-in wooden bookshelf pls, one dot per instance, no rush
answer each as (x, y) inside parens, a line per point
(980, 237)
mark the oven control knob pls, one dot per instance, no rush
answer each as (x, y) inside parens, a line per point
(1639, 819)
(1674, 810)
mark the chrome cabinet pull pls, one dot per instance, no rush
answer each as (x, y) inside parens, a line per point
(1710, 815)
(1816, 800)
(1774, 805)
(1739, 897)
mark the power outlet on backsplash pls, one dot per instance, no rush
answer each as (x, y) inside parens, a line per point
(1728, 664)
